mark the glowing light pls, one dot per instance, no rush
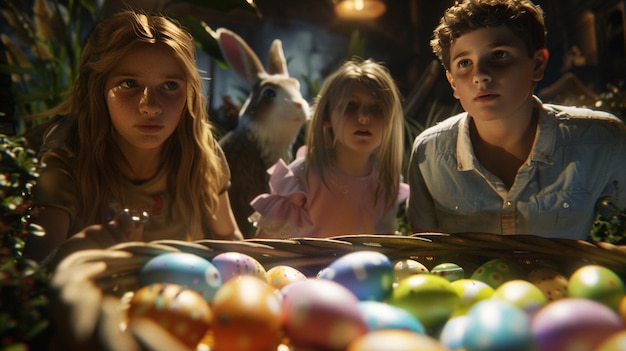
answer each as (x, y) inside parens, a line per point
(360, 9)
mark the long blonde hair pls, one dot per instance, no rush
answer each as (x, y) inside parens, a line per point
(335, 93)
(190, 153)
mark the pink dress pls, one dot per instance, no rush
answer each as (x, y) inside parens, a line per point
(347, 206)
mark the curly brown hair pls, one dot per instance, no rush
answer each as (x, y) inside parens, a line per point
(522, 17)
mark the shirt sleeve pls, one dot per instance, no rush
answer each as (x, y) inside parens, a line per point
(282, 212)
(403, 192)
(420, 208)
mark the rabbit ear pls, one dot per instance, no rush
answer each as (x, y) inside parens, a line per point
(277, 63)
(239, 56)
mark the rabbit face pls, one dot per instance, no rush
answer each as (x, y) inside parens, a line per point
(274, 111)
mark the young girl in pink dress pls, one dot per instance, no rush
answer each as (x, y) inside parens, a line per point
(347, 179)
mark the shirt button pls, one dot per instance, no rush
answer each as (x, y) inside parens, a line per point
(565, 205)
(509, 203)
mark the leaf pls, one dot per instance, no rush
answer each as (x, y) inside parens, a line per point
(10, 69)
(204, 37)
(356, 46)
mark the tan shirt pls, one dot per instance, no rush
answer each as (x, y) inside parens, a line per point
(56, 187)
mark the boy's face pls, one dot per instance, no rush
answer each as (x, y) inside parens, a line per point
(491, 73)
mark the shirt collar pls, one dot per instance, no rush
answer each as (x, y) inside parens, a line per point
(542, 149)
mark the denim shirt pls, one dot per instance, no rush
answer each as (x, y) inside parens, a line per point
(578, 157)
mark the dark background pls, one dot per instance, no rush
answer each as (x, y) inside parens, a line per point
(316, 41)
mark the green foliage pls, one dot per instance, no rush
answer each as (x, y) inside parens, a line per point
(610, 223)
(24, 314)
(44, 60)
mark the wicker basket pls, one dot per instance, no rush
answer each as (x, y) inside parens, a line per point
(90, 287)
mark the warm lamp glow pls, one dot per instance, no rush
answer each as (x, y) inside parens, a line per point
(360, 9)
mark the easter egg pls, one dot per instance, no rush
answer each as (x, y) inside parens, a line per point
(406, 268)
(367, 274)
(497, 271)
(616, 342)
(396, 340)
(231, 264)
(521, 293)
(279, 276)
(622, 308)
(470, 291)
(597, 283)
(246, 316)
(429, 298)
(321, 314)
(552, 283)
(450, 271)
(574, 324)
(181, 312)
(380, 315)
(452, 333)
(495, 325)
(188, 270)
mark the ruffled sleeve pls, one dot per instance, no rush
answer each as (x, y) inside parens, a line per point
(403, 192)
(282, 212)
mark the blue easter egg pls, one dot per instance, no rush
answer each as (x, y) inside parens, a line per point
(368, 275)
(380, 315)
(185, 269)
(495, 325)
(452, 333)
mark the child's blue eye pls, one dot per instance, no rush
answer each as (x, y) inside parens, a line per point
(463, 63)
(171, 85)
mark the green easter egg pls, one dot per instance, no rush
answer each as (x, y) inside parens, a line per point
(429, 298)
(450, 271)
(497, 271)
(597, 283)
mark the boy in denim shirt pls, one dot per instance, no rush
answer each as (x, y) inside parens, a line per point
(510, 164)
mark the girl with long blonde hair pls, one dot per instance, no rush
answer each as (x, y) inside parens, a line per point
(349, 179)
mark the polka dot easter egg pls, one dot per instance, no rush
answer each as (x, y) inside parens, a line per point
(448, 270)
(279, 276)
(181, 311)
(232, 264)
(246, 316)
(497, 271)
(553, 284)
(407, 267)
(367, 274)
(188, 270)
(597, 283)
